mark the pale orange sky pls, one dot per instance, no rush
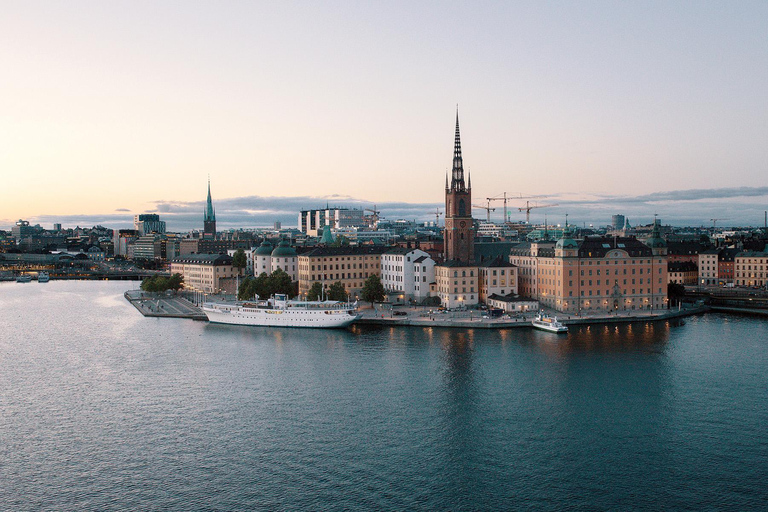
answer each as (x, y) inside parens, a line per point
(107, 105)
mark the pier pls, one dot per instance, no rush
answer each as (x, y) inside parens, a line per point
(164, 306)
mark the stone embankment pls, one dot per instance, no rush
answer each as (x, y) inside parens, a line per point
(416, 317)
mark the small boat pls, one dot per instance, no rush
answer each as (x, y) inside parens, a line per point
(43, 277)
(548, 323)
(24, 278)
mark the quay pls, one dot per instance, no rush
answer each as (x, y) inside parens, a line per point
(164, 306)
(475, 320)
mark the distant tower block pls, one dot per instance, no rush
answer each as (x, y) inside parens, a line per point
(459, 227)
(617, 221)
(209, 217)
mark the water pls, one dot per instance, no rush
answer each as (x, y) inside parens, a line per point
(103, 409)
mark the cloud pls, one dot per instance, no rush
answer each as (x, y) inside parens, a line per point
(122, 210)
(742, 206)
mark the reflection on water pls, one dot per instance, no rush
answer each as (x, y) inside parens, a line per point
(103, 409)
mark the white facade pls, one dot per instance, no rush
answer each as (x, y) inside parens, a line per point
(398, 272)
(708, 261)
(289, 264)
(248, 259)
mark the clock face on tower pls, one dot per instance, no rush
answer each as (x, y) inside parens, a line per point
(463, 224)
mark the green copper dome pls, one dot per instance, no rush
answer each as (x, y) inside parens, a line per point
(566, 242)
(284, 250)
(265, 249)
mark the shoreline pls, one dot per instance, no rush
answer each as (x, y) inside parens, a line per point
(480, 323)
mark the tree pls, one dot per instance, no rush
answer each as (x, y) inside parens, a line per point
(373, 290)
(175, 282)
(675, 292)
(280, 282)
(315, 291)
(245, 290)
(337, 292)
(239, 260)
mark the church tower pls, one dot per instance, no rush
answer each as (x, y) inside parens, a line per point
(209, 217)
(459, 235)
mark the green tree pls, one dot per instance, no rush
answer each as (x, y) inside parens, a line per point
(239, 260)
(315, 291)
(175, 282)
(337, 292)
(280, 282)
(244, 291)
(373, 290)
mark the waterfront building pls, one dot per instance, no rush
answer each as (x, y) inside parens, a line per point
(456, 279)
(146, 223)
(208, 273)
(285, 258)
(725, 265)
(351, 265)
(751, 269)
(248, 259)
(595, 274)
(407, 273)
(209, 217)
(682, 272)
(456, 284)
(497, 277)
(708, 267)
(262, 258)
(512, 303)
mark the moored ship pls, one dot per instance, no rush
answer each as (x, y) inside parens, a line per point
(281, 312)
(43, 277)
(548, 323)
(23, 278)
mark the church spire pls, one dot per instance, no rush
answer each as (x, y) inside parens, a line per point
(210, 213)
(457, 175)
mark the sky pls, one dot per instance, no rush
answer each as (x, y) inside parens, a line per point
(109, 109)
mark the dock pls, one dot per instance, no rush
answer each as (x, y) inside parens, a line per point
(164, 306)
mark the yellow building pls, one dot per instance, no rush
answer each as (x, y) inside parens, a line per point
(349, 265)
(457, 284)
(208, 273)
(751, 269)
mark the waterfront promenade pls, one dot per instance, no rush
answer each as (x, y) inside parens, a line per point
(164, 306)
(174, 306)
(475, 319)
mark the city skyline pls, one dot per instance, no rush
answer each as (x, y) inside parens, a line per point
(121, 109)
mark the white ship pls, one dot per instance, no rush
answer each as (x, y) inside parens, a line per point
(548, 323)
(43, 277)
(281, 312)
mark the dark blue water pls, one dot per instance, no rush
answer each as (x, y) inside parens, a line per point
(102, 409)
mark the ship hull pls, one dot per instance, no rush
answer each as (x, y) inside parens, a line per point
(282, 318)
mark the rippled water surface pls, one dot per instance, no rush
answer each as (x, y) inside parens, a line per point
(103, 409)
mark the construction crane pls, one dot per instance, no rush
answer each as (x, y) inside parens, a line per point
(714, 222)
(374, 215)
(503, 197)
(438, 213)
(487, 209)
(528, 207)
